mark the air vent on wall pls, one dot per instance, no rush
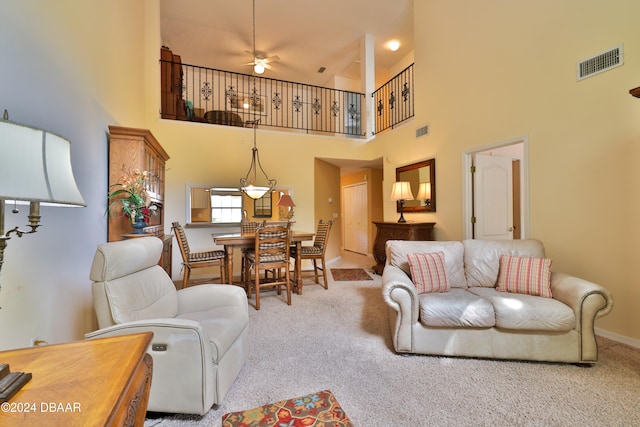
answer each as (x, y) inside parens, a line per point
(424, 130)
(600, 63)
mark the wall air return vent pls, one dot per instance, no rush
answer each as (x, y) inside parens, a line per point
(424, 130)
(600, 63)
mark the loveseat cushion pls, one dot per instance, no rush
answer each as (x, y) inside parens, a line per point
(397, 251)
(223, 326)
(482, 258)
(527, 312)
(454, 309)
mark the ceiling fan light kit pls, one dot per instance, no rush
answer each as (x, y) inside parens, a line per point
(258, 67)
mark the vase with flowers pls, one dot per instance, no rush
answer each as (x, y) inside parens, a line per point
(132, 196)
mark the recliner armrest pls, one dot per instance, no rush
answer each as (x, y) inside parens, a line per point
(159, 327)
(210, 296)
(182, 360)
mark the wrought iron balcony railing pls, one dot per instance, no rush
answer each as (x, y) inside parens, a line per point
(208, 95)
(394, 101)
(221, 97)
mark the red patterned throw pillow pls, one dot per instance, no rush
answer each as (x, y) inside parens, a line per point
(524, 275)
(428, 272)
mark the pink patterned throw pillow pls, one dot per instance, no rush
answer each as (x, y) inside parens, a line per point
(524, 275)
(428, 272)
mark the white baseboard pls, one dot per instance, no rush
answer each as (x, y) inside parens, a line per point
(334, 260)
(632, 342)
(329, 262)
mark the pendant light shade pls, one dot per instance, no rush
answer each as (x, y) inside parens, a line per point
(256, 185)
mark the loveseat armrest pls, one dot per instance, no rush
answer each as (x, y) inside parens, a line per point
(210, 296)
(587, 299)
(400, 293)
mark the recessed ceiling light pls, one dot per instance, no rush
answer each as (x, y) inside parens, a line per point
(393, 45)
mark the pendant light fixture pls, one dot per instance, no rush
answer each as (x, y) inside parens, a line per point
(249, 183)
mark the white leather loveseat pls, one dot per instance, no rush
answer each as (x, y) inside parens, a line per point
(476, 316)
(200, 334)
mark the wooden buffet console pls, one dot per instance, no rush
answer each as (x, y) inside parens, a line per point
(99, 382)
(397, 231)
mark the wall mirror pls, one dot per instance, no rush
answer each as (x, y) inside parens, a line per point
(211, 204)
(422, 176)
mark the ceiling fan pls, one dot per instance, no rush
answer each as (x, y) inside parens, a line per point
(260, 61)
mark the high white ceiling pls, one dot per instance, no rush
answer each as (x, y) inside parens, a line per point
(305, 34)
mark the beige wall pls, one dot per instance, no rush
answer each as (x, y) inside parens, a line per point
(327, 204)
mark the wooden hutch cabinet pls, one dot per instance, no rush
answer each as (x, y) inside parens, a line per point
(131, 149)
(397, 231)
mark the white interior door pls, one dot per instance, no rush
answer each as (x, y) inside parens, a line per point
(355, 218)
(493, 197)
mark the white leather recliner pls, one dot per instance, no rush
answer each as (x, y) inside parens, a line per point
(200, 334)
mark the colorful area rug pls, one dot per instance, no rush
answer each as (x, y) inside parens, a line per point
(316, 409)
(349, 274)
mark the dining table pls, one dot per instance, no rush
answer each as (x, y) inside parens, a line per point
(231, 241)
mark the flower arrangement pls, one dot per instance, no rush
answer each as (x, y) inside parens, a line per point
(131, 194)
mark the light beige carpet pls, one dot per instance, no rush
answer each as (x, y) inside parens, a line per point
(339, 339)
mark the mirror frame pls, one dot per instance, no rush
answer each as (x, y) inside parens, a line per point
(431, 163)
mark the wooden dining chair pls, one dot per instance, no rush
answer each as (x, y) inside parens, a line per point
(270, 253)
(247, 227)
(316, 253)
(191, 260)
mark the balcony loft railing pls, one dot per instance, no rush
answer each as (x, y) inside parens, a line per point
(208, 95)
(394, 101)
(213, 96)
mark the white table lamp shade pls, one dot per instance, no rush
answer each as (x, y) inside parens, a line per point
(401, 190)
